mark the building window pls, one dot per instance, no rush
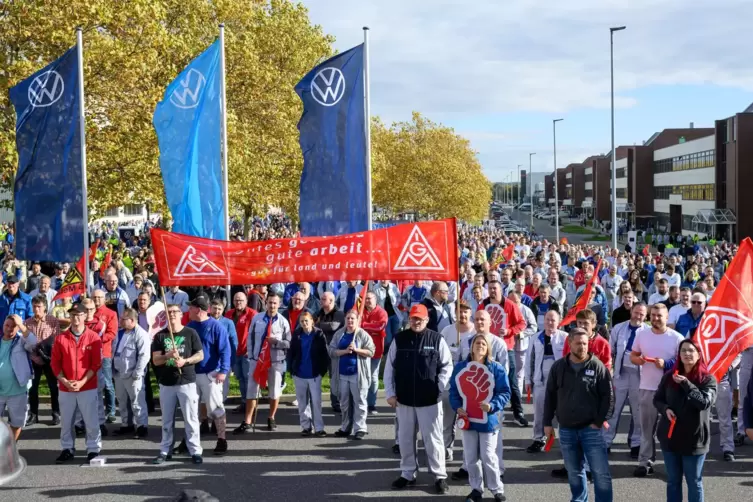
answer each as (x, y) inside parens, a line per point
(662, 193)
(589, 177)
(569, 193)
(622, 193)
(695, 192)
(112, 212)
(133, 209)
(620, 172)
(589, 193)
(697, 160)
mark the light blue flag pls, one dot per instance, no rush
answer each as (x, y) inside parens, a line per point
(188, 126)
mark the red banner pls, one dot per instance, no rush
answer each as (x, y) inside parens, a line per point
(424, 250)
(726, 328)
(585, 298)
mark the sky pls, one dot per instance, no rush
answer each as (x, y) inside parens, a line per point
(499, 71)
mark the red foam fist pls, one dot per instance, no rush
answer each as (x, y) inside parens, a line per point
(497, 316)
(476, 385)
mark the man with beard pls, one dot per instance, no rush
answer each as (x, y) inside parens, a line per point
(654, 351)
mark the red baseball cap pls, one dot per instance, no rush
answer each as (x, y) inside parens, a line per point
(419, 311)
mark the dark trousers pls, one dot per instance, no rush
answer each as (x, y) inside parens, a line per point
(516, 404)
(52, 383)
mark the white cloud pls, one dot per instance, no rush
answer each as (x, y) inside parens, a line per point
(445, 58)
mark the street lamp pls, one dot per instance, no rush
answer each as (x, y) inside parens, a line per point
(520, 183)
(530, 187)
(556, 184)
(614, 162)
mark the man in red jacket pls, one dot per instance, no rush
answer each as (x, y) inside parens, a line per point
(374, 322)
(110, 318)
(507, 323)
(76, 359)
(241, 316)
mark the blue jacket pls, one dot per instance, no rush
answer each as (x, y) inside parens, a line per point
(232, 337)
(500, 397)
(216, 346)
(686, 324)
(19, 305)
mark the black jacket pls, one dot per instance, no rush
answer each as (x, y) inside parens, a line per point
(319, 355)
(620, 314)
(578, 399)
(329, 323)
(431, 308)
(692, 406)
(535, 307)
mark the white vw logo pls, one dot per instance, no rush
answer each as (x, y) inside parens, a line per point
(186, 95)
(328, 86)
(46, 89)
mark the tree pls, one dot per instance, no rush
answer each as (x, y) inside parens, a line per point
(421, 166)
(132, 51)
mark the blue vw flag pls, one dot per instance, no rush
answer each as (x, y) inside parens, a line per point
(188, 126)
(334, 199)
(47, 190)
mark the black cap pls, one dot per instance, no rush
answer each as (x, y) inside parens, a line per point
(11, 279)
(78, 308)
(201, 302)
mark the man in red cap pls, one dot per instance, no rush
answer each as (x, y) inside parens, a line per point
(414, 383)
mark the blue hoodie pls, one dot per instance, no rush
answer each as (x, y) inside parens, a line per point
(500, 397)
(216, 346)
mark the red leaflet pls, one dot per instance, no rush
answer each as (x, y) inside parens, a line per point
(549, 442)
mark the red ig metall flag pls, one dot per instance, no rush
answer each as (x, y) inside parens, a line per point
(726, 328)
(585, 297)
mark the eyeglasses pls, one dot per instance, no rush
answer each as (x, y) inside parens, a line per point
(688, 350)
(696, 302)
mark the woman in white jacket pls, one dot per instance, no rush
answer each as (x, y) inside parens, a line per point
(351, 350)
(544, 349)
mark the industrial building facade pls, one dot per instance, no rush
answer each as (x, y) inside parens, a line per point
(690, 180)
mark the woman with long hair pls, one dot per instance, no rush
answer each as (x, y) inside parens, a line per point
(684, 400)
(480, 434)
(624, 289)
(351, 350)
(639, 290)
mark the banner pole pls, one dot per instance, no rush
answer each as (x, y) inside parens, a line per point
(82, 134)
(169, 326)
(367, 119)
(223, 114)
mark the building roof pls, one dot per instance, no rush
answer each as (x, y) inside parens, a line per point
(749, 109)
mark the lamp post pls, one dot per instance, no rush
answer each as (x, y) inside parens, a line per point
(530, 187)
(556, 184)
(520, 183)
(614, 162)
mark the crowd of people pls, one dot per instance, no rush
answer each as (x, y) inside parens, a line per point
(632, 345)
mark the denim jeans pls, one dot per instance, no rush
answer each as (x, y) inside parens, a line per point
(240, 368)
(577, 445)
(689, 465)
(392, 329)
(515, 400)
(371, 397)
(109, 386)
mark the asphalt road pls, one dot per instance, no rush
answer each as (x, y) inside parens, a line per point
(283, 466)
(548, 231)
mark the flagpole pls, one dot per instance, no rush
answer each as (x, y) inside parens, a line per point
(82, 133)
(223, 114)
(367, 119)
